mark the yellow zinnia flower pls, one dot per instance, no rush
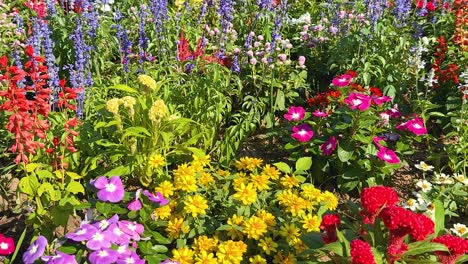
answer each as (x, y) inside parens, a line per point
(247, 163)
(272, 172)
(176, 227)
(156, 161)
(246, 194)
(257, 259)
(289, 182)
(282, 259)
(204, 243)
(289, 231)
(196, 205)
(185, 178)
(311, 223)
(183, 255)
(205, 258)
(231, 251)
(165, 188)
(260, 181)
(255, 227)
(268, 245)
(269, 218)
(162, 212)
(206, 179)
(330, 199)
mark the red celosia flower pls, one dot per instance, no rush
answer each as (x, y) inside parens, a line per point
(457, 247)
(329, 224)
(7, 245)
(421, 226)
(430, 6)
(351, 73)
(375, 91)
(361, 252)
(375, 198)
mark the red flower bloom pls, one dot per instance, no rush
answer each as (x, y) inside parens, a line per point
(329, 224)
(421, 226)
(457, 246)
(375, 198)
(352, 73)
(361, 252)
(375, 91)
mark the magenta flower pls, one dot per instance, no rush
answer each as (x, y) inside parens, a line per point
(416, 126)
(124, 250)
(134, 205)
(295, 113)
(133, 258)
(100, 240)
(118, 237)
(388, 155)
(302, 133)
(358, 101)
(320, 113)
(104, 223)
(329, 146)
(84, 232)
(342, 80)
(381, 100)
(158, 198)
(377, 140)
(35, 250)
(60, 258)
(111, 190)
(132, 229)
(104, 255)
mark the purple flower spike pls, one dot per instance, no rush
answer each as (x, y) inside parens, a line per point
(35, 250)
(104, 255)
(132, 229)
(133, 258)
(158, 198)
(83, 233)
(99, 240)
(109, 189)
(60, 258)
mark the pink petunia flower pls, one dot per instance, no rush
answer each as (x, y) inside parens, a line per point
(415, 126)
(295, 113)
(388, 155)
(358, 101)
(111, 190)
(302, 133)
(342, 80)
(157, 198)
(84, 232)
(7, 245)
(104, 255)
(320, 113)
(329, 146)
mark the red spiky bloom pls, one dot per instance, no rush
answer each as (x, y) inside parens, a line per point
(330, 223)
(457, 247)
(361, 252)
(374, 199)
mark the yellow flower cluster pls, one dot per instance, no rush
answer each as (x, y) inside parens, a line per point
(148, 82)
(248, 163)
(273, 211)
(158, 110)
(156, 161)
(112, 105)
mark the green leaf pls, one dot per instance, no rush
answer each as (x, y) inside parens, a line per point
(44, 174)
(29, 185)
(418, 248)
(280, 100)
(67, 249)
(119, 171)
(159, 248)
(344, 155)
(283, 167)
(75, 187)
(123, 87)
(334, 247)
(74, 176)
(313, 240)
(462, 259)
(303, 164)
(439, 216)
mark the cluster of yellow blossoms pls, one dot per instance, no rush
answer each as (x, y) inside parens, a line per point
(256, 212)
(128, 102)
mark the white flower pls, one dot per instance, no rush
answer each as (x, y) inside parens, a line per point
(459, 229)
(304, 19)
(424, 166)
(424, 185)
(442, 178)
(461, 178)
(412, 204)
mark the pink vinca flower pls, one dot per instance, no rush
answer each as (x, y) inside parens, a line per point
(358, 101)
(295, 113)
(388, 155)
(381, 100)
(302, 133)
(111, 190)
(342, 80)
(320, 113)
(329, 146)
(415, 126)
